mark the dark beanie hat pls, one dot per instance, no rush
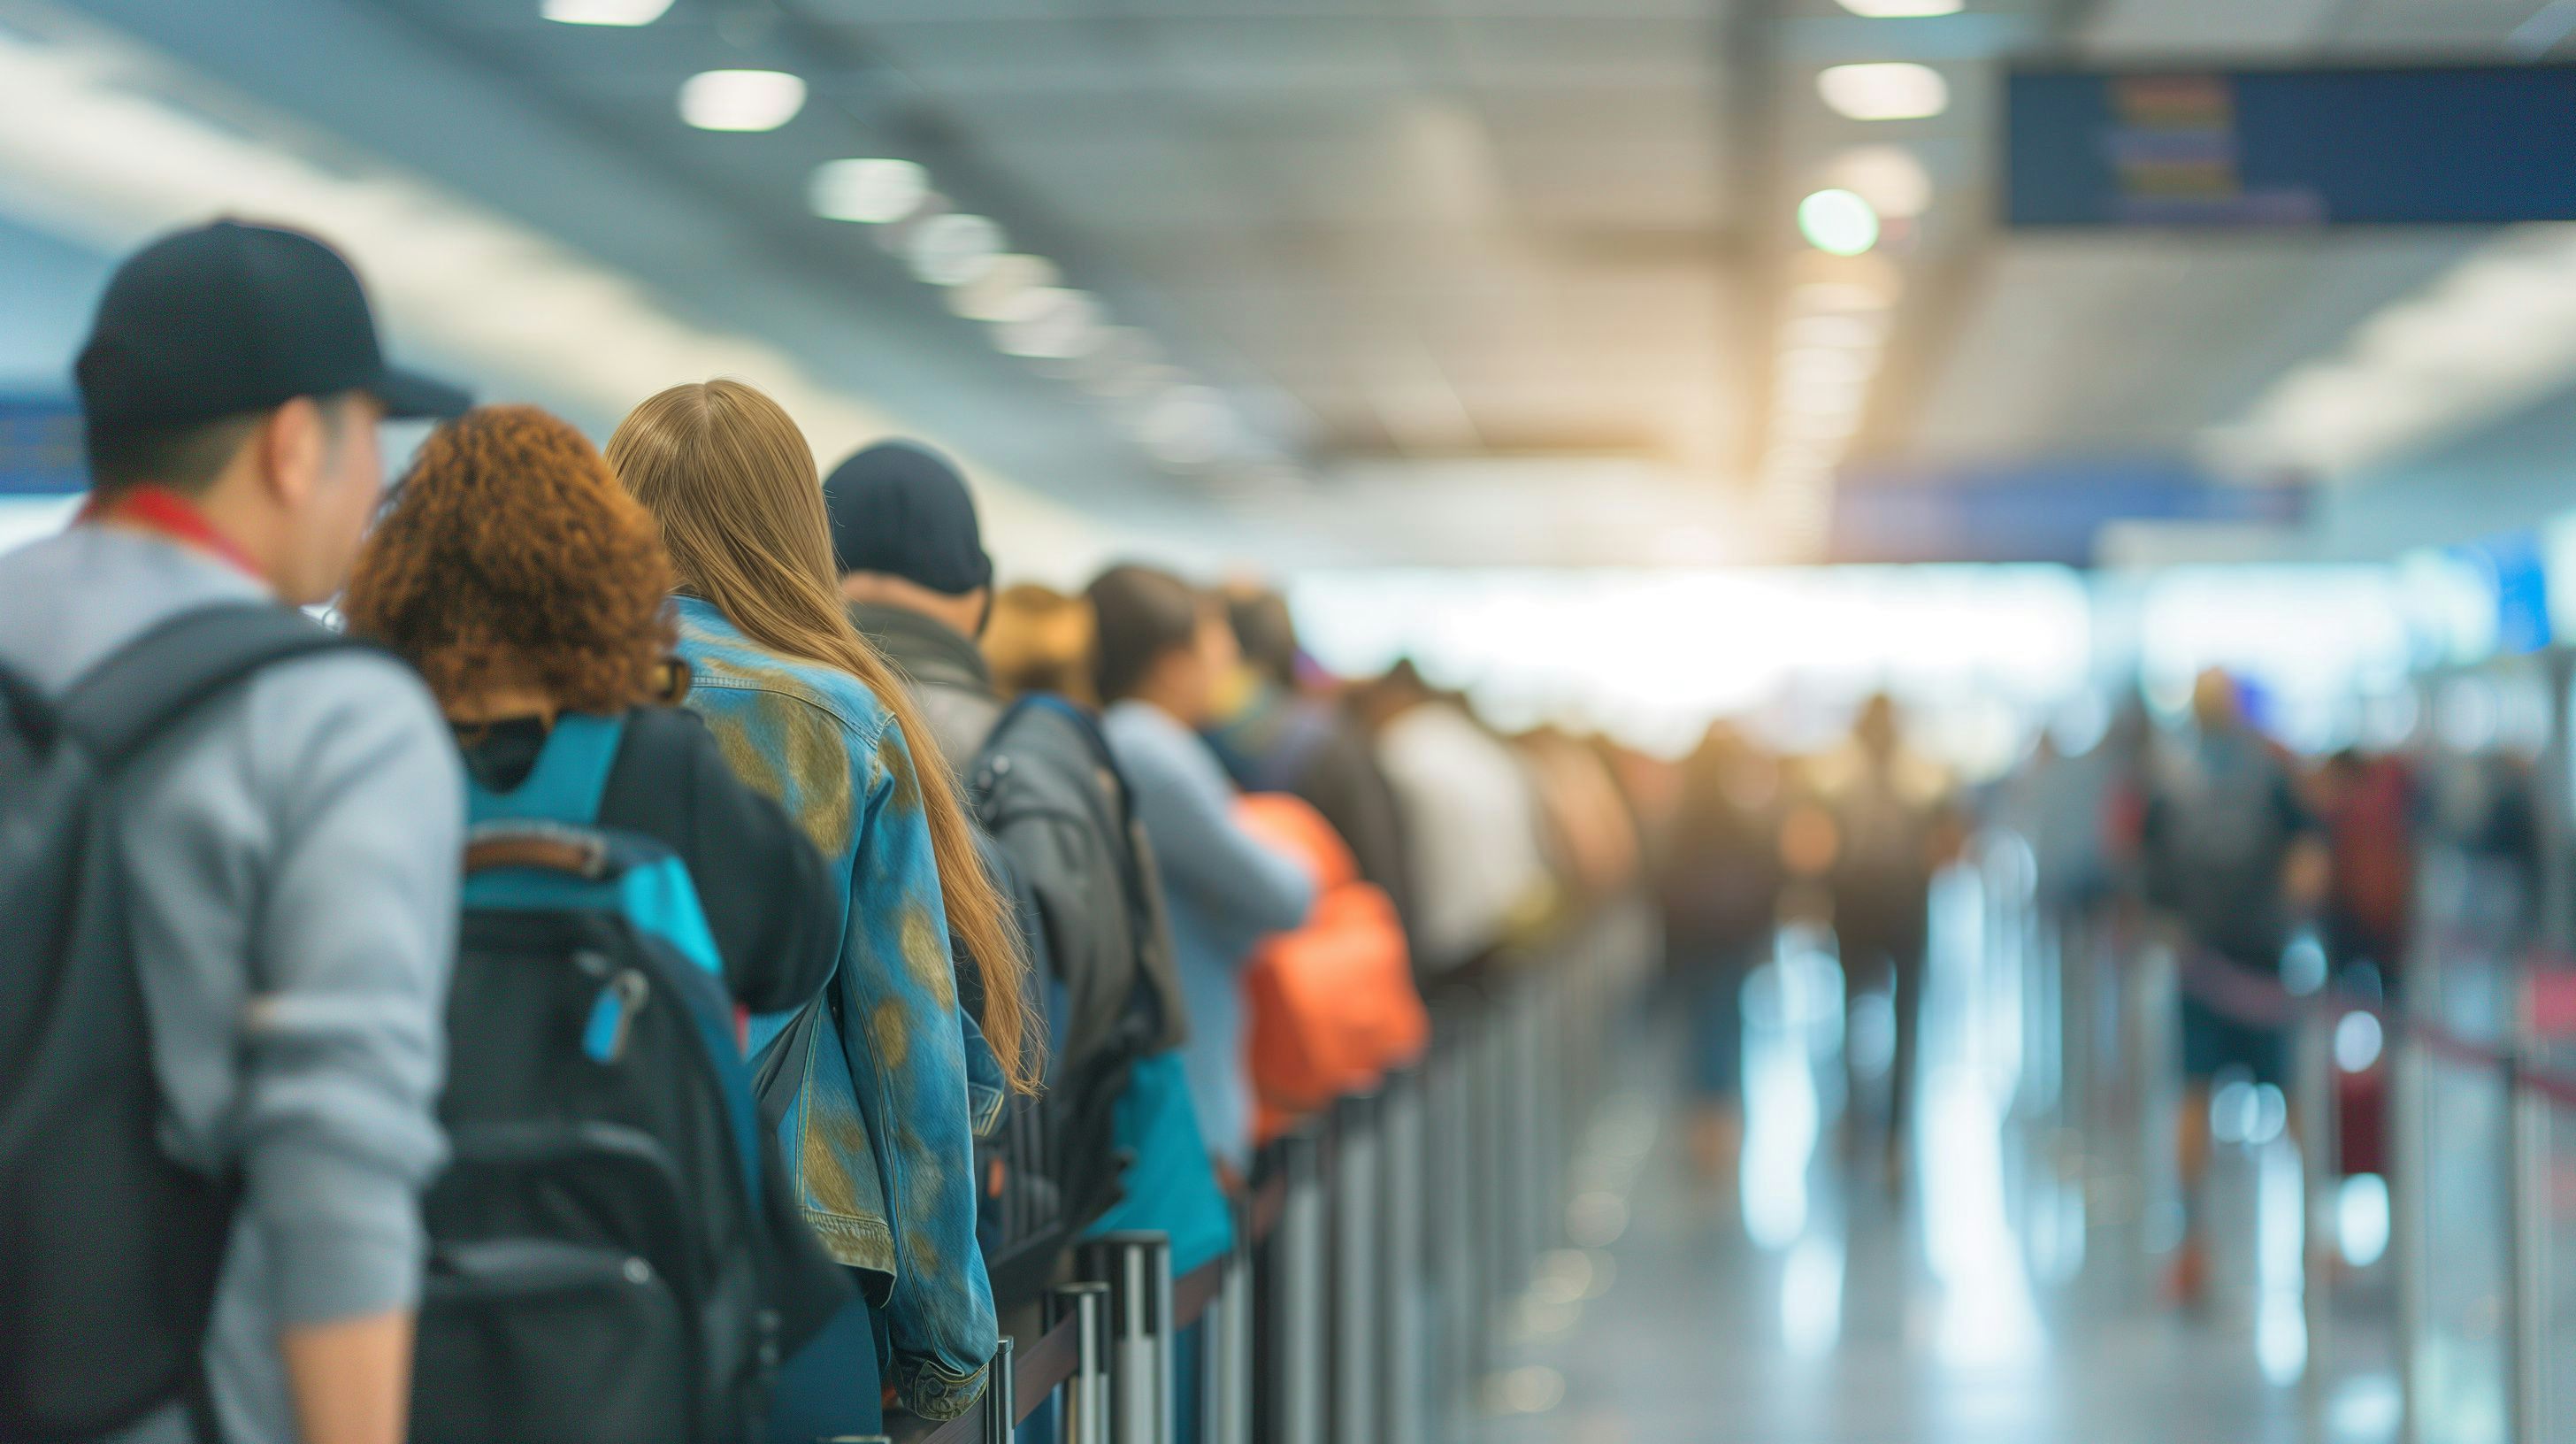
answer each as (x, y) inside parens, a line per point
(900, 508)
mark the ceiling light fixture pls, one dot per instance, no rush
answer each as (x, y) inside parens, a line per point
(1889, 177)
(1838, 222)
(1841, 331)
(605, 12)
(1884, 90)
(1903, 9)
(955, 249)
(872, 191)
(741, 100)
(1057, 325)
(1013, 288)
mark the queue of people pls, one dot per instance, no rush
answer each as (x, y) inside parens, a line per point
(691, 954)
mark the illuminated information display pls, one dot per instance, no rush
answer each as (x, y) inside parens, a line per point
(2246, 149)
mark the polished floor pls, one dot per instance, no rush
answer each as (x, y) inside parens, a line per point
(1798, 1299)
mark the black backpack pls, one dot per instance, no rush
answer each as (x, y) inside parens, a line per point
(109, 1250)
(614, 1255)
(1050, 797)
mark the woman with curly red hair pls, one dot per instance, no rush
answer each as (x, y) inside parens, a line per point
(526, 586)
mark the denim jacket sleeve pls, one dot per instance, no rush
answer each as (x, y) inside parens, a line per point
(900, 986)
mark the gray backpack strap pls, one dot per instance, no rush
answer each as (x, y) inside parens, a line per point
(152, 681)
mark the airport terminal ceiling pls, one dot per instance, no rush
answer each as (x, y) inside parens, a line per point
(1443, 282)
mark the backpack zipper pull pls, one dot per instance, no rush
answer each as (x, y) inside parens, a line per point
(612, 1017)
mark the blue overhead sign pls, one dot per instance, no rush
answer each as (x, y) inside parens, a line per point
(41, 451)
(2237, 149)
(2040, 513)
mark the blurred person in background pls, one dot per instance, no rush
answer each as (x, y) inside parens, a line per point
(1044, 642)
(1040, 640)
(2234, 854)
(879, 1130)
(1163, 648)
(258, 996)
(2367, 805)
(1274, 735)
(1892, 830)
(1471, 821)
(1592, 836)
(1720, 889)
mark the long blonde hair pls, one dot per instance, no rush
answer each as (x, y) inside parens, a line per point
(728, 474)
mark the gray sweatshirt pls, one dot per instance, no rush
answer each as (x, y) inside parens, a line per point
(293, 848)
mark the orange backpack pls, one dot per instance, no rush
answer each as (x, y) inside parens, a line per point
(1331, 1005)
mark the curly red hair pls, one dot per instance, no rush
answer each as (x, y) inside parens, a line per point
(510, 557)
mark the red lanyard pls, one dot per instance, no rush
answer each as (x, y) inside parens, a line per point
(156, 509)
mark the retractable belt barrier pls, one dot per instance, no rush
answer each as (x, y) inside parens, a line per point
(2265, 1002)
(2114, 980)
(1374, 1250)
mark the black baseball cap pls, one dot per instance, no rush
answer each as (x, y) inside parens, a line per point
(901, 508)
(227, 318)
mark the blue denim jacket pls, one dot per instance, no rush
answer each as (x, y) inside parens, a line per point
(879, 1141)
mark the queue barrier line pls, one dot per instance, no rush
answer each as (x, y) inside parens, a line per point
(2542, 1009)
(2250, 997)
(1321, 1324)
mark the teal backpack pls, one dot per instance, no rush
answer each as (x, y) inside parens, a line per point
(610, 1244)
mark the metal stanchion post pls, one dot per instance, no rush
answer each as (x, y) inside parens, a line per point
(1456, 1255)
(1228, 1348)
(2155, 1074)
(2408, 1077)
(2312, 1104)
(1355, 1312)
(1085, 1411)
(1529, 1068)
(1399, 1291)
(1296, 1305)
(1001, 1395)
(1138, 1270)
(2527, 1263)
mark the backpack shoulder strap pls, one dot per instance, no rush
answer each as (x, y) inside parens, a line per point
(123, 702)
(569, 780)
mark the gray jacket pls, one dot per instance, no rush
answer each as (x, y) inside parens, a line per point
(293, 851)
(1065, 830)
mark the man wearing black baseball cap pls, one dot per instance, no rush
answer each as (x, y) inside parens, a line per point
(285, 852)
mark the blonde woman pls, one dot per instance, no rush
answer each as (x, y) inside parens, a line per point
(878, 1133)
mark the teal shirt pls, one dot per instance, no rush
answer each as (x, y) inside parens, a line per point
(880, 1140)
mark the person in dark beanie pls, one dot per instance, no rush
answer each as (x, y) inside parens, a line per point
(1060, 825)
(912, 562)
(278, 849)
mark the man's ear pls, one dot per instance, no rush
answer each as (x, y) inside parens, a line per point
(292, 448)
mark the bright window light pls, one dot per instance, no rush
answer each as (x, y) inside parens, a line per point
(1838, 223)
(1884, 90)
(743, 100)
(955, 249)
(605, 12)
(1903, 9)
(873, 191)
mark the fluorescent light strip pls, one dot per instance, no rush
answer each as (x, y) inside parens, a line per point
(2494, 333)
(86, 152)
